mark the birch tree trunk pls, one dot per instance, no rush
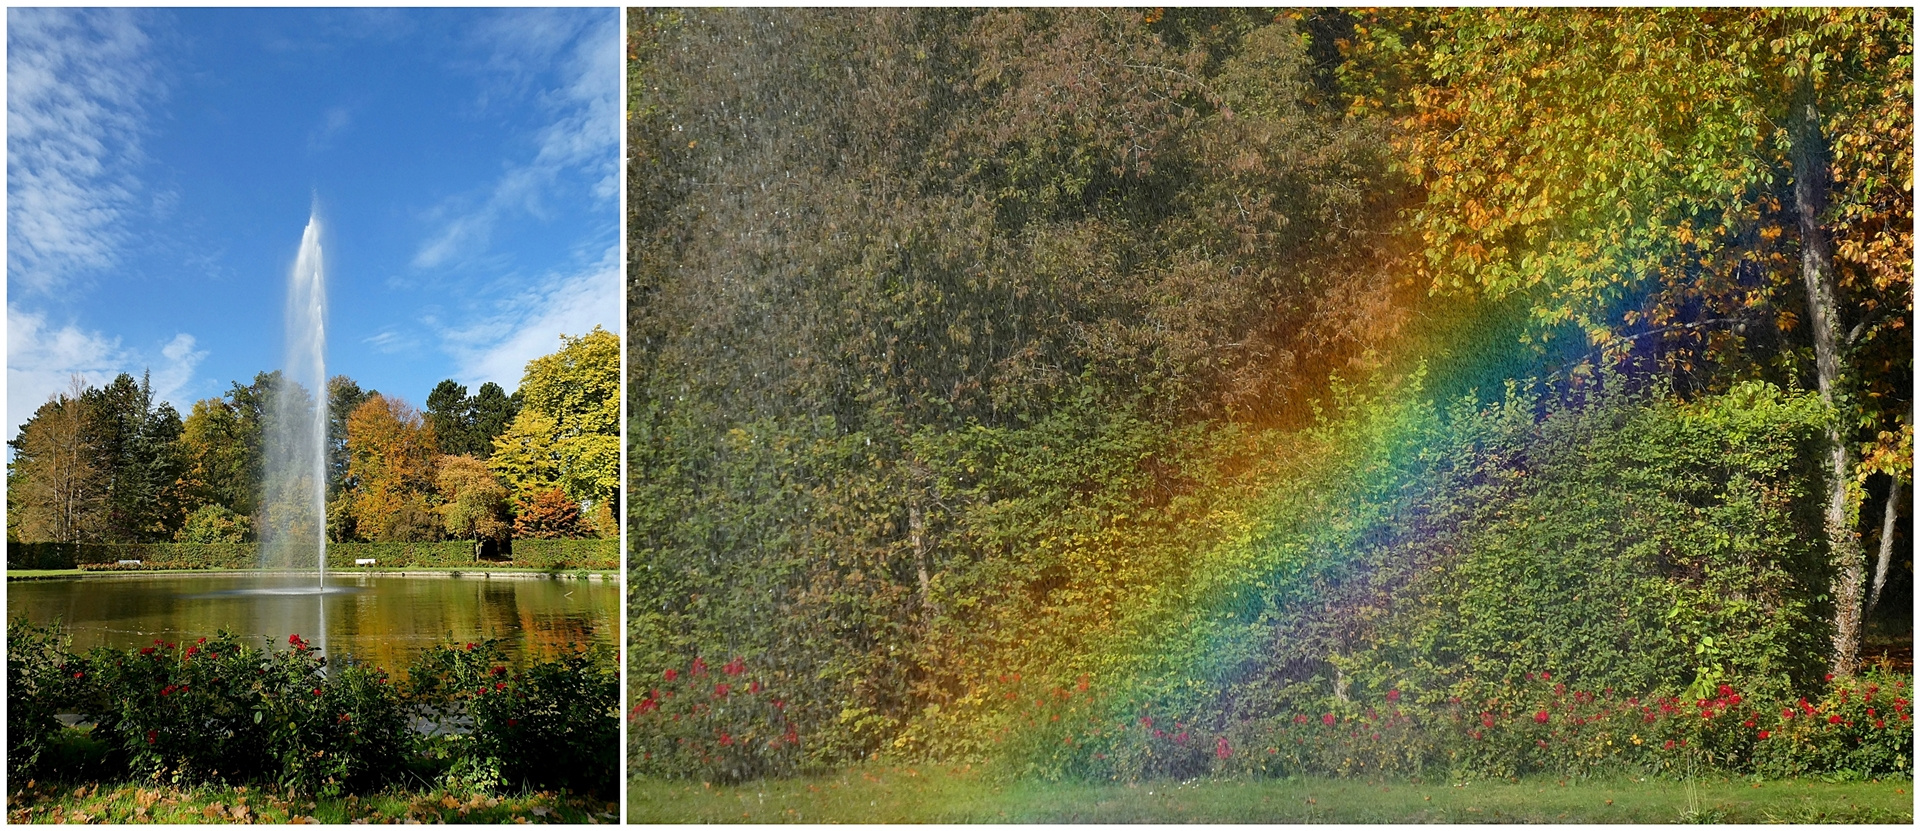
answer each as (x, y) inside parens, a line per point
(1811, 186)
(1886, 547)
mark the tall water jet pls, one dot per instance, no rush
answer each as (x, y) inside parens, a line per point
(293, 522)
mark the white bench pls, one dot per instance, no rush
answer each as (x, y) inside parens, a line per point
(363, 561)
(129, 562)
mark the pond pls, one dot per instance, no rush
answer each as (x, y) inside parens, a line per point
(381, 619)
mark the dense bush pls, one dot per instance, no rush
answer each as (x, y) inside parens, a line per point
(550, 725)
(715, 725)
(542, 554)
(41, 676)
(219, 711)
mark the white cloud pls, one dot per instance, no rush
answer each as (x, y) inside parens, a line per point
(332, 124)
(524, 327)
(581, 139)
(77, 85)
(42, 360)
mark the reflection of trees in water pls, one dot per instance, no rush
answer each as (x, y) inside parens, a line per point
(386, 626)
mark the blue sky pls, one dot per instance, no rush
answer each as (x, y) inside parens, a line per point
(162, 165)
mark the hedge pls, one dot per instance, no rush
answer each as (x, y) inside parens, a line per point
(542, 554)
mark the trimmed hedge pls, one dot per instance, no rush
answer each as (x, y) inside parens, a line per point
(542, 554)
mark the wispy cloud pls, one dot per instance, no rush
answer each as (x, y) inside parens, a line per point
(332, 124)
(78, 82)
(392, 342)
(521, 328)
(580, 140)
(41, 359)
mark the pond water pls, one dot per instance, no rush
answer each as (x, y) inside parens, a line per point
(380, 619)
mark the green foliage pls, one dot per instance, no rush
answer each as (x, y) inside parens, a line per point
(219, 711)
(553, 725)
(724, 727)
(40, 676)
(214, 523)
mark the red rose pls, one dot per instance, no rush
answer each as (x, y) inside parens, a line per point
(1393, 695)
(1328, 719)
(1221, 749)
(672, 674)
(1540, 717)
(1764, 734)
(1833, 719)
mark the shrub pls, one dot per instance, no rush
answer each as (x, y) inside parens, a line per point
(41, 676)
(217, 711)
(715, 725)
(552, 725)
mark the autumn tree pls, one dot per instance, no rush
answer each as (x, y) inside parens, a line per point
(567, 430)
(473, 502)
(392, 452)
(1722, 188)
(546, 515)
(55, 486)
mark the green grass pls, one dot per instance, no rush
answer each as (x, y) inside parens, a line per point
(944, 794)
(131, 803)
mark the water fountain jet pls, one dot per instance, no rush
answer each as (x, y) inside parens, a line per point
(294, 516)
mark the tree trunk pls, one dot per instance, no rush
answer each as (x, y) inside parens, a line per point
(917, 534)
(1886, 547)
(1810, 189)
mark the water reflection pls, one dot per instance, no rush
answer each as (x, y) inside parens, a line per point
(385, 620)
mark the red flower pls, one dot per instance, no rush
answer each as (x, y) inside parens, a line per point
(1393, 695)
(1669, 744)
(735, 667)
(1082, 686)
(78, 674)
(469, 647)
(1726, 690)
(344, 718)
(1180, 737)
(699, 667)
(1540, 742)
(1787, 713)
(501, 685)
(498, 670)
(1833, 719)
(720, 690)
(792, 736)
(1328, 719)
(1146, 721)
(672, 674)
(1540, 717)
(726, 740)
(753, 686)
(167, 690)
(513, 722)
(1221, 749)
(1747, 723)
(1486, 719)
(292, 640)
(647, 704)
(779, 704)
(151, 735)
(1765, 734)
(1829, 676)
(1546, 676)
(146, 650)
(1300, 719)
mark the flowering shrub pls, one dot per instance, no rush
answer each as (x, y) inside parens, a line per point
(1539, 724)
(551, 725)
(39, 674)
(721, 724)
(217, 710)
